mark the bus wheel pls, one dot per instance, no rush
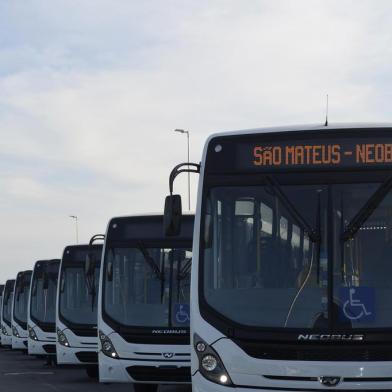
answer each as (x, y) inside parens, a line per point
(145, 387)
(92, 371)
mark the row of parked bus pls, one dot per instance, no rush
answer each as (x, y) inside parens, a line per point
(64, 309)
(291, 274)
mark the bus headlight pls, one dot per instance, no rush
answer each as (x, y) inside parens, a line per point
(210, 365)
(32, 333)
(15, 331)
(61, 338)
(107, 346)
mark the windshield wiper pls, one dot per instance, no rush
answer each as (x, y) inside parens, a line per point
(90, 282)
(150, 261)
(367, 209)
(314, 235)
(186, 269)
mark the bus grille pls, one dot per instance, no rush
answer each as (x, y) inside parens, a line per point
(49, 348)
(87, 356)
(162, 374)
(317, 352)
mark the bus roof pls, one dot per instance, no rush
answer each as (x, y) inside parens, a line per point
(303, 127)
(47, 262)
(148, 214)
(133, 228)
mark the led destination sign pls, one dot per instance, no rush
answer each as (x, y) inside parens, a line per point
(346, 153)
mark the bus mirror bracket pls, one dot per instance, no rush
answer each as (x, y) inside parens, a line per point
(89, 265)
(173, 206)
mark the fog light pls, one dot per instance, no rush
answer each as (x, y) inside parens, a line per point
(200, 347)
(223, 379)
(209, 363)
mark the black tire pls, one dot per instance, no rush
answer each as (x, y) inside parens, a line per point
(93, 372)
(145, 387)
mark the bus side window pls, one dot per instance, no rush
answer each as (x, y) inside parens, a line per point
(243, 241)
(266, 216)
(283, 228)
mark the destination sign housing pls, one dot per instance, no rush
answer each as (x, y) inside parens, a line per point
(337, 153)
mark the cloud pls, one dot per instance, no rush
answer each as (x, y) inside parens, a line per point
(90, 92)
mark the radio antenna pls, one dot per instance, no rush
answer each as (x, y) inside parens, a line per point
(326, 114)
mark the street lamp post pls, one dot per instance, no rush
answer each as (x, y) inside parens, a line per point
(75, 218)
(189, 178)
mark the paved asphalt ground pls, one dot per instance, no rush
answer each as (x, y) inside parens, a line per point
(22, 373)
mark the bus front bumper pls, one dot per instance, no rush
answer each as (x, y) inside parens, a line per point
(19, 343)
(76, 355)
(134, 371)
(41, 347)
(6, 340)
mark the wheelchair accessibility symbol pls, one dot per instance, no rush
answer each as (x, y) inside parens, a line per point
(357, 303)
(181, 314)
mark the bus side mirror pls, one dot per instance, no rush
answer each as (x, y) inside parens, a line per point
(172, 215)
(109, 271)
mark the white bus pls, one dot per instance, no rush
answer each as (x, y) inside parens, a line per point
(19, 310)
(1, 305)
(76, 310)
(292, 260)
(6, 312)
(41, 314)
(143, 307)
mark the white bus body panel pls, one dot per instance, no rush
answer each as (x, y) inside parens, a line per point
(19, 343)
(6, 340)
(36, 347)
(248, 371)
(66, 355)
(114, 370)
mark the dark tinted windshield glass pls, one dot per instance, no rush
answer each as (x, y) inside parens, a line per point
(363, 267)
(257, 258)
(78, 290)
(7, 305)
(147, 286)
(262, 269)
(43, 292)
(21, 297)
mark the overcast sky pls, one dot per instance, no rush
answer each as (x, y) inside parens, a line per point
(91, 90)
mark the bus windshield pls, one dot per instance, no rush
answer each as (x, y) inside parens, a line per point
(22, 288)
(146, 276)
(261, 267)
(148, 286)
(78, 300)
(43, 292)
(7, 301)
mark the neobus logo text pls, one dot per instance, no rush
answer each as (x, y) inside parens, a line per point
(330, 337)
(169, 331)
